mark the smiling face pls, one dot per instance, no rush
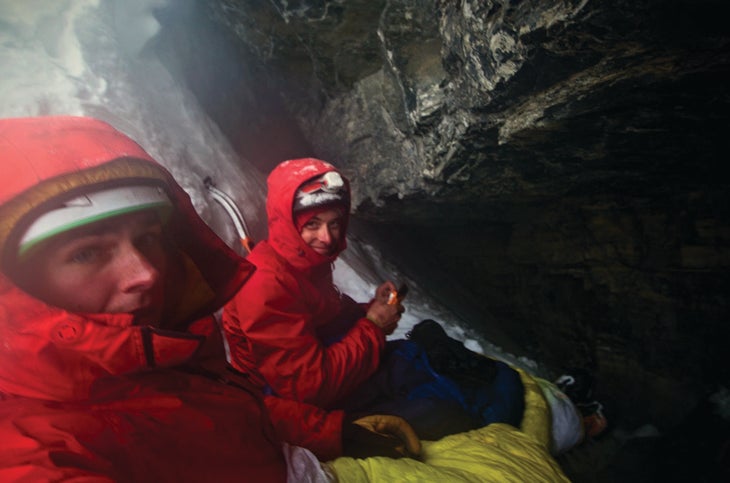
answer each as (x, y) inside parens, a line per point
(116, 265)
(322, 231)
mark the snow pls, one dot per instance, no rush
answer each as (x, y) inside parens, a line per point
(69, 57)
(88, 57)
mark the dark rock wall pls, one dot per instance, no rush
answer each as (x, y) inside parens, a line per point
(558, 162)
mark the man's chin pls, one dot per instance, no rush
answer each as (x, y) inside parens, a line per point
(325, 252)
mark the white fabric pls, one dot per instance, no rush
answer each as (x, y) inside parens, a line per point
(567, 422)
(91, 207)
(303, 467)
(328, 188)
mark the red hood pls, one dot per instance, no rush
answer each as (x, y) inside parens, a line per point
(49, 353)
(284, 237)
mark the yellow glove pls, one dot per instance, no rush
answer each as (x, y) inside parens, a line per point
(379, 435)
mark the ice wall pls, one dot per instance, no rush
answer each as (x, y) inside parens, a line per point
(88, 57)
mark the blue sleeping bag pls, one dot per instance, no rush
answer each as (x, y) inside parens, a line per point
(439, 386)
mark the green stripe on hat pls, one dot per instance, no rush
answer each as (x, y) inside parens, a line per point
(90, 208)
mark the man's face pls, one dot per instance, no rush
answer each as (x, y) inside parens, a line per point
(322, 231)
(111, 266)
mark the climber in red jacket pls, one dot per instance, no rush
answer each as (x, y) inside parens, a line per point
(111, 365)
(289, 328)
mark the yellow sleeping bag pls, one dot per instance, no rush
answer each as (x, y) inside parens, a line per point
(498, 452)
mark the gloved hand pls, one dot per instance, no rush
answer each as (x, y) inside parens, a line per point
(379, 435)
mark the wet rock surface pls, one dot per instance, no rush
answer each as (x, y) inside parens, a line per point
(553, 167)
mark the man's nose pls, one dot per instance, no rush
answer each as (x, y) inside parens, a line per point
(137, 274)
(325, 235)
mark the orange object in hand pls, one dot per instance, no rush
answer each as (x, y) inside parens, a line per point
(398, 296)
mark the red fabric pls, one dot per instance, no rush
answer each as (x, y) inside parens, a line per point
(91, 395)
(146, 427)
(307, 426)
(276, 323)
(33, 151)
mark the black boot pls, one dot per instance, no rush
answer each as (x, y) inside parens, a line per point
(449, 357)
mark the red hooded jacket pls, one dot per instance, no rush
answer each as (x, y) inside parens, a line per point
(92, 395)
(276, 324)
